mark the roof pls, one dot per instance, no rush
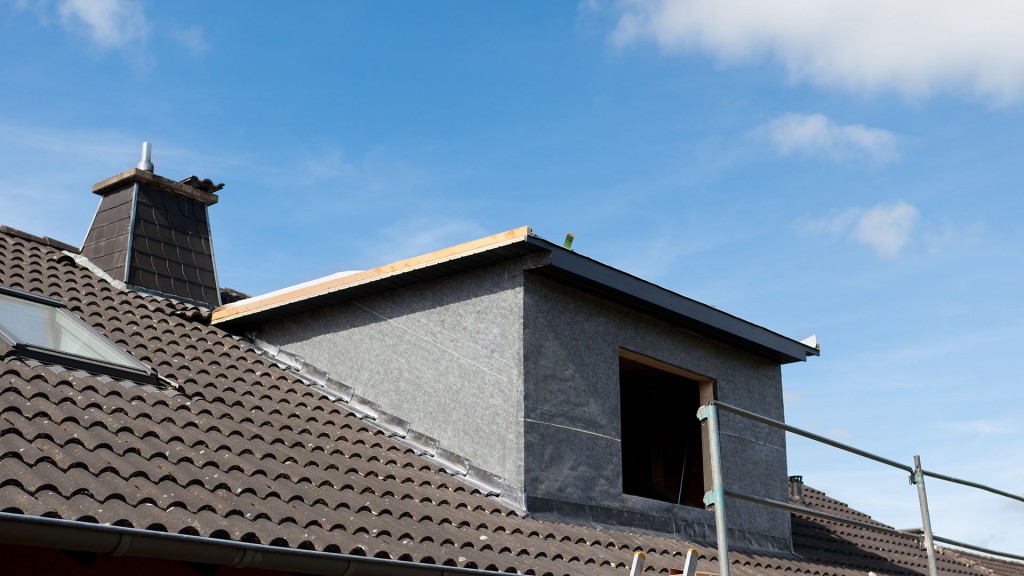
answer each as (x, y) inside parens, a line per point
(235, 452)
(563, 264)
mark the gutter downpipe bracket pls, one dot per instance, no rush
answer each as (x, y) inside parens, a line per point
(123, 544)
(246, 558)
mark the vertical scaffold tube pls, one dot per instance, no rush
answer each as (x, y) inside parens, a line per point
(718, 490)
(926, 520)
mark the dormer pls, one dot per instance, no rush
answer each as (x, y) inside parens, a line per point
(574, 384)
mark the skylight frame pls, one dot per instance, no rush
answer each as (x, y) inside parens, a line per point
(128, 369)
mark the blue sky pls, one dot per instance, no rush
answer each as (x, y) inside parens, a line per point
(845, 169)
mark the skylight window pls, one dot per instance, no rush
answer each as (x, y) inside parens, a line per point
(44, 329)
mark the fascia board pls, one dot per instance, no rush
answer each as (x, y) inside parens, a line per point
(635, 292)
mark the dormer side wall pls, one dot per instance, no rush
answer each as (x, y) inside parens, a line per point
(444, 355)
(574, 446)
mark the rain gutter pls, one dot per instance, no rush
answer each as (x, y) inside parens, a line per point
(22, 530)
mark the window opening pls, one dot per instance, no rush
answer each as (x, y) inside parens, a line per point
(663, 454)
(44, 329)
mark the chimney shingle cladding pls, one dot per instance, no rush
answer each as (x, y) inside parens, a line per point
(171, 248)
(154, 234)
(106, 244)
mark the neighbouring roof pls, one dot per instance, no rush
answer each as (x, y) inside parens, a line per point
(558, 262)
(235, 447)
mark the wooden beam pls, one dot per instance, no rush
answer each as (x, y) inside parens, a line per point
(664, 366)
(260, 303)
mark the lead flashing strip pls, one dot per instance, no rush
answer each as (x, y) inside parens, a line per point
(88, 265)
(213, 258)
(131, 233)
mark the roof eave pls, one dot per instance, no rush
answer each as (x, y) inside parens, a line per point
(616, 285)
(563, 264)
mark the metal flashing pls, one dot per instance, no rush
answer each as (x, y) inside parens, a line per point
(213, 258)
(88, 265)
(131, 229)
(160, 294)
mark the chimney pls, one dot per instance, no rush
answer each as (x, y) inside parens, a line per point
(153, 233)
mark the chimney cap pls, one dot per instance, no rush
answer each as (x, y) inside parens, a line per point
(133, 175)
(796, 490)
(147, 158)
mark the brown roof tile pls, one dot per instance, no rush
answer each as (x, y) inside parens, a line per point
(242, 449)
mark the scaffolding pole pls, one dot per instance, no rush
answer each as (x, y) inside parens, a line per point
(716, 497)
(926, 519)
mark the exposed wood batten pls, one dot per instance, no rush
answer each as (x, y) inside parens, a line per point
(257, 305)
(663, 366)
(561, 264)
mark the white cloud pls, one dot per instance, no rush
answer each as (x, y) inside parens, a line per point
(108, 23)
(885, 228)
(191, 38)
(114, 25)
(914, 47)
(817, 135)
(835, 224)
